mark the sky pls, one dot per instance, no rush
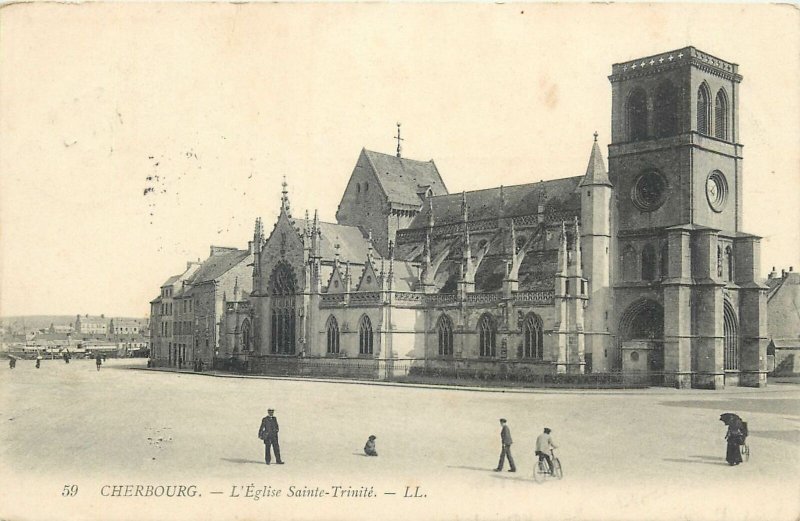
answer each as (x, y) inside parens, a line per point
(134, 136)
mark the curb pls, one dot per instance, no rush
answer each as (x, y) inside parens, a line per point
(511, 390)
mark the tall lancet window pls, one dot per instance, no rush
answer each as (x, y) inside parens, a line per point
(444, 330)
(365, 336)
(282, 301)
(487, 332)
(721, 115)
(703, 109)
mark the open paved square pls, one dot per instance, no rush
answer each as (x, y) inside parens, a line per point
(651, 454)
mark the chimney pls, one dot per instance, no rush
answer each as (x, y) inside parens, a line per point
(791, 268)
(250, 247)
(783, 274)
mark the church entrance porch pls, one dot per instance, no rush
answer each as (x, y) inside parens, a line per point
(641, 336)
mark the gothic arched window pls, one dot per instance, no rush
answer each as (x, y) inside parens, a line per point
(444, 330)
(629, 264)
(332, 336)
(533, 337)
(365, 336)
(666, 110)
(246, 338)
(703, 109)
(721, 115)
(487, 332)
(648, 262)
(636, 115)
(282, 301)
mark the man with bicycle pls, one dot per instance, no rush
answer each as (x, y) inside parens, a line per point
(543, 445)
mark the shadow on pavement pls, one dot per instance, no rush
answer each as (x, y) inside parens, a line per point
(239, 460)
(481, 469)
(737, 405)
(508, 476)
(787, 436)
(705, 461)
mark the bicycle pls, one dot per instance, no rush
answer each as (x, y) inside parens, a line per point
(745, 451)
(541, 471)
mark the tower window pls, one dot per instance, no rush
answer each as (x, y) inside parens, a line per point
(636, 115)
(721, 115)
(730, 264)
(629, 264)
(703, 109)
(666, 110)
(648, 263)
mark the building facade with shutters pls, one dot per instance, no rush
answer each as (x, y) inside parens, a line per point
(639, 269)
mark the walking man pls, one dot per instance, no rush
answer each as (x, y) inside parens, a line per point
(268, 432)
(505, 440)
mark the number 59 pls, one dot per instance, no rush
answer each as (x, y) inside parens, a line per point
(70, 490)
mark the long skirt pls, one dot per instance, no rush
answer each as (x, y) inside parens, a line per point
(733, 456)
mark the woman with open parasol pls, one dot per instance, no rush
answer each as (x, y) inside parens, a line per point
(734, 436)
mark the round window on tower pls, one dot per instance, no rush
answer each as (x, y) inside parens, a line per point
(716, 190)
(649, 191)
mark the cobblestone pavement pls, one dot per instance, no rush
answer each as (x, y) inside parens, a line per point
(638, 455)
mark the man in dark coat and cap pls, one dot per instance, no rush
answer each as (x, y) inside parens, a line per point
(505, 451)
(268, 432)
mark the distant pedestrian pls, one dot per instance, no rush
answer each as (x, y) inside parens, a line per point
(505, 440)
(98, 361)
(268, 432)
(12, 363)
(38, 361)
(200, 365)
(369, 448)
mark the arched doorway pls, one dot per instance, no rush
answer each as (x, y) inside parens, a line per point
(641, 335)
(282, 288)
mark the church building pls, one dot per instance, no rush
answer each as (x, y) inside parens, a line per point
(639, 269)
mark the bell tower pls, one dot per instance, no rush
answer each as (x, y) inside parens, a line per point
(675, 163)
(675, 156)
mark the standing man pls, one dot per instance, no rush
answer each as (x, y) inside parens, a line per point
(98, 361)
(268, 432)
(505, 439)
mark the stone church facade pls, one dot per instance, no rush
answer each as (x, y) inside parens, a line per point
(639, 269)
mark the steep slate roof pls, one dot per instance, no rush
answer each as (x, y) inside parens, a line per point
(558, 195)
(402, 179)
(596, 170)
(170, 281)
(217, 265)
(353, 245)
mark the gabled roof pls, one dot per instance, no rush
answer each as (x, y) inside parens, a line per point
(557, 195)
(402, 180)
(217, 265)
(353, 245)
